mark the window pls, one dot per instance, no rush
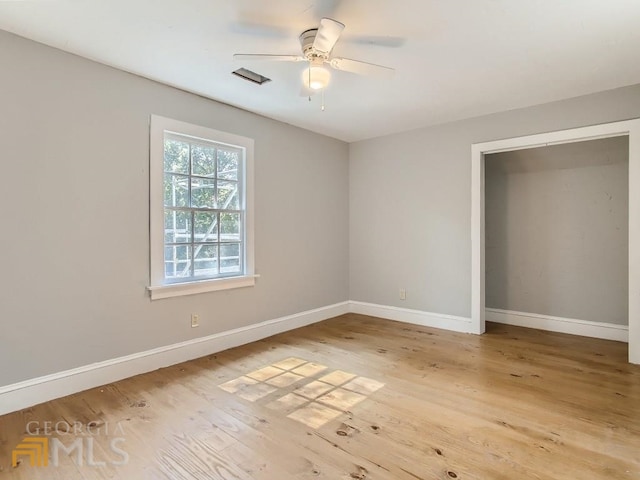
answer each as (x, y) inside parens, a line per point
(201, 209)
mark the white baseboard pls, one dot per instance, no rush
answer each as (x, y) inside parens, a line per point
(585, 328)
(31, 392)
(37, 390)
(417, 317)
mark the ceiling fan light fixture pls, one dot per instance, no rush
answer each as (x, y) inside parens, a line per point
(316, 78)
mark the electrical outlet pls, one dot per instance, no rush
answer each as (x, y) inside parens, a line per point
(195, 320)
(403, 294)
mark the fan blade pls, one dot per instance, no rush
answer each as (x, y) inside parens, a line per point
(271, 58)
(378, 41)
(328, 34)
(361, 68)
(326, 8)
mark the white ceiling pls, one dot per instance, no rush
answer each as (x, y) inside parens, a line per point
(459, 59)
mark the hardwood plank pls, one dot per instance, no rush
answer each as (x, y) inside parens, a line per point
(358, 397)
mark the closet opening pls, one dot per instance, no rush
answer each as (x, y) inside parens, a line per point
(556, 232)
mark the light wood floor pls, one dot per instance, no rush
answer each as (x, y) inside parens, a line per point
(394, 402)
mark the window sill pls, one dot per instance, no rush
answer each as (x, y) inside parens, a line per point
(192, 288)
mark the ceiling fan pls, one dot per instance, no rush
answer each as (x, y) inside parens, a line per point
(317, 45)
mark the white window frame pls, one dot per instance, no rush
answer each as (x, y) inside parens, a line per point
(160, 287)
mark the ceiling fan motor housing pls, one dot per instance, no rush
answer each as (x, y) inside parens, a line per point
(306, 41)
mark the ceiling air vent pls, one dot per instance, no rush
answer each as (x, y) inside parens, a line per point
(251, 76)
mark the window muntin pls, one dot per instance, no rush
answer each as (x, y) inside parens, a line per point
(203, 209)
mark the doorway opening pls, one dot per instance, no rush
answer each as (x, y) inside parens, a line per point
(629, 129)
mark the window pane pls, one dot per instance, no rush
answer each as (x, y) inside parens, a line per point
(177, 226)
(203, 193)
(230, 258)
(177, 261)
(176, 156)
(203, 160)
(206, 227)
(206, 264)
(228, 164)
(228, 195)
(176, 191)
(229, 227)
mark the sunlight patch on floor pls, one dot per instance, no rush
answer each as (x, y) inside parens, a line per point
(314, 403)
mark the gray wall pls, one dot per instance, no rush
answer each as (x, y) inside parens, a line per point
(75, 215)
(410, 200)
(556, 230)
